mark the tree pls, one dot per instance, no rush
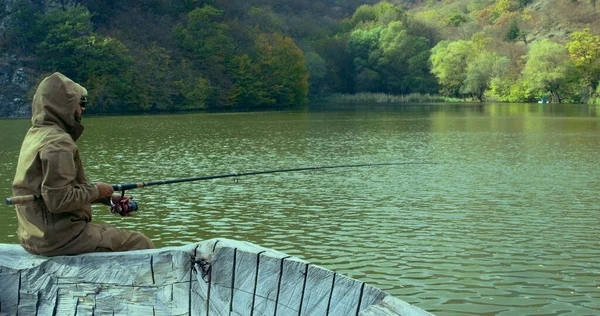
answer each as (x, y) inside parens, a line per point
(264, 20)
(364, 13)
(249, 88)
(196, 91)
(101, 64)
(207, 43)
(468, 67)
(514, 33)
(363, 48)
(158, 82)
(548, 69)
(317, 68)
(24, 26)
(449, 62)
(282, 69)
(481, 71)
(456, 20)
(584, 49)
(388, 12)
(403, 61)
(339, 60)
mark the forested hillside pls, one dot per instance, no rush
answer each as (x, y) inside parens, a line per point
(165, 55)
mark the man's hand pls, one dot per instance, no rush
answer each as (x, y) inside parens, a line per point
(104, 190)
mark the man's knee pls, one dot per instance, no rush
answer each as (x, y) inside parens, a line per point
(140, 241)
(123, 240)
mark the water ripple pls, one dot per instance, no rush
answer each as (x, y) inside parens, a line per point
(507, 225)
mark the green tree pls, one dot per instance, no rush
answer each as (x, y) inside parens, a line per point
(481, 71)
(194, 91)
(548, 69)
(363, 47)
(24, 27)
(197, 91)
(449, 62)
(317, 68)
(102, 64)
(205, 38)
(264, 20)
(157, 80)
(364, 13)
(282, 69)
(340, 67)
(584, 49)
(514, 33)
(249, 88)
(207, 44)
(403, 62)
(456, 20)
(388, 12)
(510, 89)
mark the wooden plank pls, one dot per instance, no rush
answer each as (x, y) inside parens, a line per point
(371, 296)
(36, 287)
(135, 270)
(201, 290)
(291, 287)
(267, 286)
(316, 293)
(346, 296)
(47, 302)
(196, 303)
(350, 296)
(65, 302)
(222, 279)
(9, 300)
(213, 277)
(377, 310)
(137, 300)
(402, 308)
(245, 277)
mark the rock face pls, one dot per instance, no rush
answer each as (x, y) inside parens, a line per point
(15, 82)
(17, 78)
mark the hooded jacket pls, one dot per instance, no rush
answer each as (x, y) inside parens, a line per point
(49, 165)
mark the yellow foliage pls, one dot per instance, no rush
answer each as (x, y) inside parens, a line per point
(481, 40)
(584, 47)
(505, 18)
(527, 15)
(503, 6)
(431, 17)
(484, 16)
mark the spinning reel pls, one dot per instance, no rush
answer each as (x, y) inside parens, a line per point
(124, 206)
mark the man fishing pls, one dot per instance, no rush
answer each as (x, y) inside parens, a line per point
(50, 166)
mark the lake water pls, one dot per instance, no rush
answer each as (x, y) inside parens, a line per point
(507, 222)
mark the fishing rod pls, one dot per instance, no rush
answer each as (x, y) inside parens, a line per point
(125, 206)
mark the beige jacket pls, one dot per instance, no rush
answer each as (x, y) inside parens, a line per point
(49, 165)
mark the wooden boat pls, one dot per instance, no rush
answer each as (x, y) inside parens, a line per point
(212, 277)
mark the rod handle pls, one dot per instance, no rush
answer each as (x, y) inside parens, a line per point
(21, 199)
(127, 186)
(28, 198)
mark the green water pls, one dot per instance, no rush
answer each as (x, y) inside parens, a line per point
(507, 224)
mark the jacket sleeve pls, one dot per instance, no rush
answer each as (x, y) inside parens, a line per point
(59, 190)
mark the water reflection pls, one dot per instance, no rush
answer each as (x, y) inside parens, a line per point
(507, 225)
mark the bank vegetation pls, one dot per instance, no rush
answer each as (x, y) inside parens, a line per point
(164, 55)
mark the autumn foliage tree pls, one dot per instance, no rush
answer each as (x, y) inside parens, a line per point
(218, 54)
(584, 49)
(281, 69)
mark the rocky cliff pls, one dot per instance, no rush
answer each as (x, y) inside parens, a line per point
(16, 79)
(17, 76)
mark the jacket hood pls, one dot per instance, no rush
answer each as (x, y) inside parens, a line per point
(55, 103)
